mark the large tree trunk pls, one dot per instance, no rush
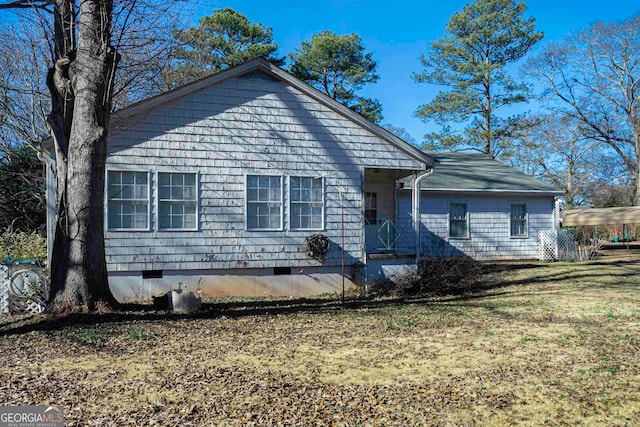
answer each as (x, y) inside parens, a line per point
(634, 121)
(635, 126)
(85, 79)
(636, 199)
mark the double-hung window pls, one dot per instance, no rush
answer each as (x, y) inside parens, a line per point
(370, 208)
(518, 220)
(127, 200)
(458, 220)
(264, 202)
(306, 196)
(177, 201)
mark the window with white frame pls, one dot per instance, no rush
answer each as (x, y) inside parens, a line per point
(518, 222)
(458, 220)
(127, 200)
(306, 198)
(177, 201)
(264, 202)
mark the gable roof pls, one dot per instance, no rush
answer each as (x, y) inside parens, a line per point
(479, 173)
(259, 66)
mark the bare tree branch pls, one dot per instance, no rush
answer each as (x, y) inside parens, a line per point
(29, 4)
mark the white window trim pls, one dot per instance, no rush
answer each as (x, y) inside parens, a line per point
(290, 202)
(246, 202)
(526, 235)
(157, 200)
(468, 231)
(106, 200)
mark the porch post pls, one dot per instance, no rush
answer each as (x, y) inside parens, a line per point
(416, 210)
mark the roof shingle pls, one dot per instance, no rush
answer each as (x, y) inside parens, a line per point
(476, 172)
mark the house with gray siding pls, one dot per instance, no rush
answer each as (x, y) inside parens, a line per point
(221, 184)
(468, 205)
(218, 185)
(478, 206)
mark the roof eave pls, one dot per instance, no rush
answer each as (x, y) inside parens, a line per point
(493, 191)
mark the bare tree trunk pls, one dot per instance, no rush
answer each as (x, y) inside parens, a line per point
(635, 128)
(569, 195)
(59, 120)
(79, 274)
(636, 199)
(81, 90)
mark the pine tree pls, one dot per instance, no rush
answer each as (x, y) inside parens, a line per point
(469, 61)
(220, 41)
(338, 66)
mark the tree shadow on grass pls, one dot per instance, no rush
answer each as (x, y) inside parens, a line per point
(234, 310)
(495, 277)
(147, 313)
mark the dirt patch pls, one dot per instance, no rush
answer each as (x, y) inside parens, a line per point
(544, 343)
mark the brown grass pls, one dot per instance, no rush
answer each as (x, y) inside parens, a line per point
(554, 344)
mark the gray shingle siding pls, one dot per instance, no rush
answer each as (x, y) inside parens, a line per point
(240, 127)
(489, 225)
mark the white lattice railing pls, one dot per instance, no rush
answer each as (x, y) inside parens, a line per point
(22, 291)
(4, 290)
(556, 245)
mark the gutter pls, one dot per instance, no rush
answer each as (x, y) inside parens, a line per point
(416, 210)
(493, 191)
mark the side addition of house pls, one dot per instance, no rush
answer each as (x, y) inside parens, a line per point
(479, 207)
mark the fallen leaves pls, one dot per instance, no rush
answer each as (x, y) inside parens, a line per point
(503, 357)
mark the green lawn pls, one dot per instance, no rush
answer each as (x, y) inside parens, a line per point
(540, 343)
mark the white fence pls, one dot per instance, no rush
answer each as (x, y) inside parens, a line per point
(4, 289)
(556, 245)
(23, 290)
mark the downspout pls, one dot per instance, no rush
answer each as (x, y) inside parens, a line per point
(416, 210)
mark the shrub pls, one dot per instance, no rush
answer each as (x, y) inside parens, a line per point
(588, 252)
(22, 244)
(22, 200)
(440, 275)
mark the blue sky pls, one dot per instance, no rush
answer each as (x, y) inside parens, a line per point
(397, 31)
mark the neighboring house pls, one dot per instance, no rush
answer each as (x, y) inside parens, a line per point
(218, 184)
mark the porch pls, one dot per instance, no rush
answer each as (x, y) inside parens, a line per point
(386, 235)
